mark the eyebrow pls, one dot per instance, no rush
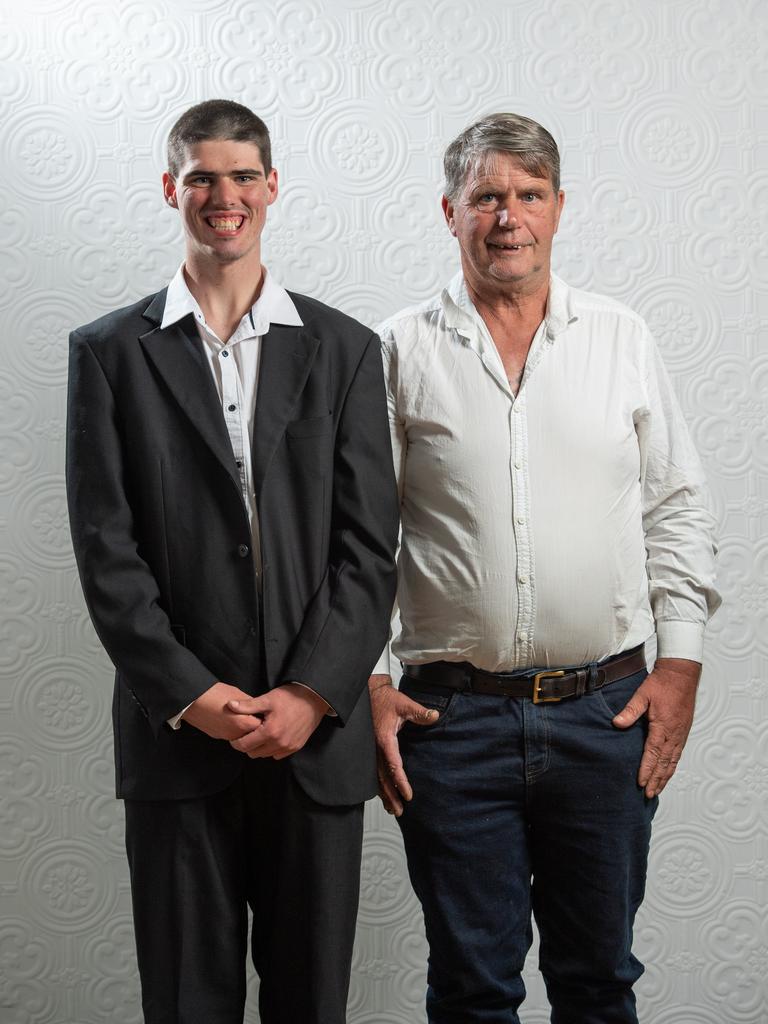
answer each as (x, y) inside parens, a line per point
(201, 172)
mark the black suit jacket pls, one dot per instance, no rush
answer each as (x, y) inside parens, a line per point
(162, 539)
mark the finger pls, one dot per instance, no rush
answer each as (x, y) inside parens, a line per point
(411, 711)
(661, 755)
(636, 707)
(391, 772)
(389, 794)
(252, 740)
(390, 765)
(390, 799)
(666, 767)
(247, 705)
(420, 715)
(245, 724)
(393, 782)
(652, 753)
(399, 780)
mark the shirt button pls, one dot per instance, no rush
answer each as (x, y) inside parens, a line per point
(231, 408)
(521, 520)
(523, 580)
(243, 550)
(518, 464)
(224, 353)
(239, 464)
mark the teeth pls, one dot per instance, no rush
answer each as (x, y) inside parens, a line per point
(225, 223)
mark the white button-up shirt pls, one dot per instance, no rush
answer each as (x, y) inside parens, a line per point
(556, 527)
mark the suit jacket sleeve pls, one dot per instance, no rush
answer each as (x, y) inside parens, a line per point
(120, 590)
(347, 622)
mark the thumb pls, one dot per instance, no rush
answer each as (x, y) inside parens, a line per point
(636, 707)
(418, 714)
(247, 705)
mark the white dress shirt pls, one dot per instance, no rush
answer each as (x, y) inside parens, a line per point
(556, 527)
(234, 364)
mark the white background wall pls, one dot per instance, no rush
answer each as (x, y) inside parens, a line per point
(660, 107)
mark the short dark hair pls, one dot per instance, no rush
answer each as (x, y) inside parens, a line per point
(524, 138)
(217, 119)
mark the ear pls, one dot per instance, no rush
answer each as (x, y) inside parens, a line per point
(272, 189)
(560, 205)
(447, 206)
(169, 190)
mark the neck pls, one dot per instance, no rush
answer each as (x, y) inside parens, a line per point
(224, 291)
(510, 305)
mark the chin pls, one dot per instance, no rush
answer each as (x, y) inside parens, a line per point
(226, 255)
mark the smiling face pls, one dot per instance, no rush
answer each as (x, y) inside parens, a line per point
(504, 219)
(222, 193)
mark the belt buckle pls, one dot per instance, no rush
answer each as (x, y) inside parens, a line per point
(537, 698)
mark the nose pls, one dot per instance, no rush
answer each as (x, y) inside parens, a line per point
(224, 192)
(508, 217)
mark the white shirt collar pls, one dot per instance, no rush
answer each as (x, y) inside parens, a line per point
(461, 314)
(273, 306)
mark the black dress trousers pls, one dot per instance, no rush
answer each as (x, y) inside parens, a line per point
(196, 866)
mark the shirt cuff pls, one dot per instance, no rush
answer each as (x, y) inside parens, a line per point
(383, 666)
(328, 709)
(175, 722)
(676, 638)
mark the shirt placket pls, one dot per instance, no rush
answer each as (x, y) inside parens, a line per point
(521, 517)
(235, 415)
(521, 505)
(520, 511)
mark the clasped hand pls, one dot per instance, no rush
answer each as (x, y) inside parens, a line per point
(274, 724)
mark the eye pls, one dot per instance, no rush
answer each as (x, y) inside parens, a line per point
(486, 198)
(245, 179)
(199, 181)
(530, 197)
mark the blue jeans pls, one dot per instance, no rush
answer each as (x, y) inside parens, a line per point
(518, 808)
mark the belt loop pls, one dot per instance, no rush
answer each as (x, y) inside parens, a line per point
(581, 681)
(591, 677)
(467, 680)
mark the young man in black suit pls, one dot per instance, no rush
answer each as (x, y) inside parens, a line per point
(234, 518)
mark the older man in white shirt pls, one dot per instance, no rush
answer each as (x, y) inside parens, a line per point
(553, 520)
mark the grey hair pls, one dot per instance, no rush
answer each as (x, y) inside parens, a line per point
(217, 119)
(531, 144)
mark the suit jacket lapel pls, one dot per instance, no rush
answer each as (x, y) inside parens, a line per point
(287, 355)
(177, 355)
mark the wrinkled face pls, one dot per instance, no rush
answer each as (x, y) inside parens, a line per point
(222, 193)
(505, 220)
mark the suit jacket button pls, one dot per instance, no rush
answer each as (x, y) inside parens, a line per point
(243, 550)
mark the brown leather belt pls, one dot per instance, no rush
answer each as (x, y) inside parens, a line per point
(541, 685)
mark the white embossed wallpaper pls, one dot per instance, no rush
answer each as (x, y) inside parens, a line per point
(660, 109)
